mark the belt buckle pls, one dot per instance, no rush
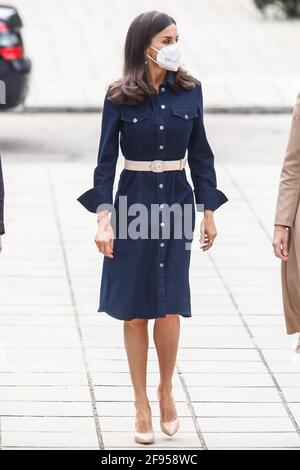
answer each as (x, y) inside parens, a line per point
(157, 166)
(181, 163)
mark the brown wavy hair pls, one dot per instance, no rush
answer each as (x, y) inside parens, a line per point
(134, 86)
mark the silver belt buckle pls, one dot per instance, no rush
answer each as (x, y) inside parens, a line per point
(157, 166)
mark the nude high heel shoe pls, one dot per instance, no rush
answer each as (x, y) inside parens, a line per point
(144, 437)
(169, 427)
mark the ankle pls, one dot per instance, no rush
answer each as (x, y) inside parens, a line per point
(164, 390)
(141, 403)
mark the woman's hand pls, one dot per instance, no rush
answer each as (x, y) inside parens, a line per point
(281, 241)
(104, 238)
(208, 231)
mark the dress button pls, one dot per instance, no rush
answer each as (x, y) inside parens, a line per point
(163, 106)
(162, 89)
(161, 206)
(161, 185)
(186, 116)
(134, 119)
(161, 147)
(161, 265)
(161, 127)
(162, 244)
(162, 224)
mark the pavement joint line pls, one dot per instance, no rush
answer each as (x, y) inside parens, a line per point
(76, 312)
(191, 407)
(247, 328)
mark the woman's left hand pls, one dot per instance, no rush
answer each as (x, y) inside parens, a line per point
(208, 231)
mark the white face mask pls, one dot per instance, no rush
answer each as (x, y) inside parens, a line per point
(168, 57)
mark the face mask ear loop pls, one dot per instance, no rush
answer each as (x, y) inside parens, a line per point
(149, 56)
(152, 58)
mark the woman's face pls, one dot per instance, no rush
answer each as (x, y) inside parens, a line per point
(165, 37)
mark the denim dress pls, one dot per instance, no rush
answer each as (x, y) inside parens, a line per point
(148, 277)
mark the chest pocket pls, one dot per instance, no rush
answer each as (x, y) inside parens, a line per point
(136, 131)
(182, 120)
(185, 113)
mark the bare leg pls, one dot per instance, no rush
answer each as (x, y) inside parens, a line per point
(136, 343)
(166, 334)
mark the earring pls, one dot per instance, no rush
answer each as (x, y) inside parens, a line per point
(146, 60)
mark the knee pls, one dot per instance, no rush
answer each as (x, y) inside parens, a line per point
(136, 322)
(170, 317)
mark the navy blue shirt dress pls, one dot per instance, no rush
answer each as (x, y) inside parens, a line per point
(149, 277)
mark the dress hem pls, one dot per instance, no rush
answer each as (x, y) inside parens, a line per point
(148, 317)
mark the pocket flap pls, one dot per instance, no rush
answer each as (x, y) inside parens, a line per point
(135, 118)
(185, 113)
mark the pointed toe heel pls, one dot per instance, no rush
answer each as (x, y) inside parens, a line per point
(170, 427)
(144, 437)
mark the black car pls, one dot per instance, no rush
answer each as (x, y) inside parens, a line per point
(15, 67)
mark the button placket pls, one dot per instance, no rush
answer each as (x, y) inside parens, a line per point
(160, 181)
(161, 244)
(161, 136)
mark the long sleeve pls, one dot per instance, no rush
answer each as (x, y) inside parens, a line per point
(289, 185)
(2, 230)
(201, 163)
(108, 152)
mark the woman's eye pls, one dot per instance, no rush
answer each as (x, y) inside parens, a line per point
(168, 41)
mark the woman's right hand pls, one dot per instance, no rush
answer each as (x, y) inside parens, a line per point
(280, 241)
(104, 238)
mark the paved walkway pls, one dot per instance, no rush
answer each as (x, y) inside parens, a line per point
(241, 59)
(64, 376)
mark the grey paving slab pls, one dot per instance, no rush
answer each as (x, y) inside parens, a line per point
(44, 439)
(250, 440)
(47, 424)
(245, 425)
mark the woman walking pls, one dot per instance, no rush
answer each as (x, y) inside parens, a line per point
(286, 237)
(157, 110)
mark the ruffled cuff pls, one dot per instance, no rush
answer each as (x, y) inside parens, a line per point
(96, 197)
(212, 198)
(2, 230)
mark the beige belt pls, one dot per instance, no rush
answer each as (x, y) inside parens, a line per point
(155, 165)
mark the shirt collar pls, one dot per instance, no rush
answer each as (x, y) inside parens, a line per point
(170, 76)
(170, 79)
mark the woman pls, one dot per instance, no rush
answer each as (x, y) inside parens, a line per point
(2, 231)
(157, 109)
(286, 239)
